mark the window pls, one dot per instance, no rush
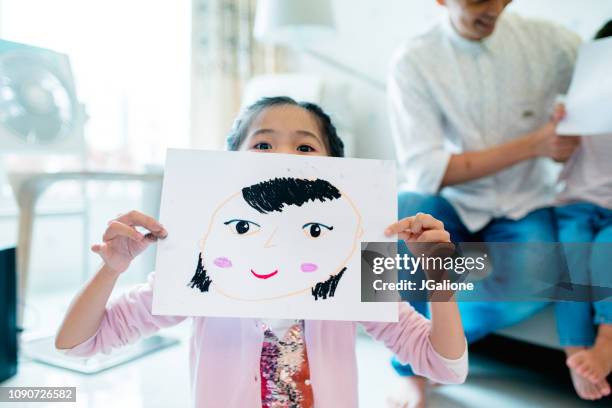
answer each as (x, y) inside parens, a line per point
(131, 62)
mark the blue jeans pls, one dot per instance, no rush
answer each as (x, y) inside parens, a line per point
(481, 318)
(584, 223)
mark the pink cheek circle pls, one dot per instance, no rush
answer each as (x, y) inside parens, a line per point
(308, 267)
(222, 262)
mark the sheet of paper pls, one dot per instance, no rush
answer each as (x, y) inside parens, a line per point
(589, 100)
(270, 235)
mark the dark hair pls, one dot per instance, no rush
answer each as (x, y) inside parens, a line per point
(323, 290)
(274, 194)
(200, 279)
(242, 123)
(605, 31)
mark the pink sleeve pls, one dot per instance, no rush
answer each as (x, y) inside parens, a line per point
(125, 320)
(409, 340)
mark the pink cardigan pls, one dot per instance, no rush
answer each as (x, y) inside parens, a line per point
(225, 352)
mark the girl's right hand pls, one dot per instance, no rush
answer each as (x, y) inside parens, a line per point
(122, 242)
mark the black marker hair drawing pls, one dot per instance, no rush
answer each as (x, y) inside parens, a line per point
(328, 288)
(272, 195)
(200, 280)
(243, 122)
(605, 31)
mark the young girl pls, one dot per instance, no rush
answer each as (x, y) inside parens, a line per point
(253, 362)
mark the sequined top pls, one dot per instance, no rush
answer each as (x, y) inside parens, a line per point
(284, 370)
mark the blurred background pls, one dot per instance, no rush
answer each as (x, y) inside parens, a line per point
(125, 80)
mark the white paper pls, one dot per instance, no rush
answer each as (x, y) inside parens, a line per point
(589, 101)
(264, 264)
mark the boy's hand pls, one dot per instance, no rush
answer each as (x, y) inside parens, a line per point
(122, 242)
(547, 143)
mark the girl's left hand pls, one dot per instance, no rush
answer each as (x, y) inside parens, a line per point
(422, 228)
(425, 235)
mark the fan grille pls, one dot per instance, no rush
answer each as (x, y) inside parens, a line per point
(35, 103)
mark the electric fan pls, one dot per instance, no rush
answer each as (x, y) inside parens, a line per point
(39, 110)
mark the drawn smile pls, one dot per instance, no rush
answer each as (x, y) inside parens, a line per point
(266, 276)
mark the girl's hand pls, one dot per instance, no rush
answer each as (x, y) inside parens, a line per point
(122, 242)
(423, 234)
(421, 228)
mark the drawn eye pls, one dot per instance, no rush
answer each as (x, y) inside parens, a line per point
(315, 229)
(242, 227)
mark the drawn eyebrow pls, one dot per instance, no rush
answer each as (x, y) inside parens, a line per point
(238, 219)
(318, 223)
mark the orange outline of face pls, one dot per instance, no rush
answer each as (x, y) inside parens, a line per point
(358, 234)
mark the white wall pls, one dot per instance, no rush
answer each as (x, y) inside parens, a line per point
(370, 30)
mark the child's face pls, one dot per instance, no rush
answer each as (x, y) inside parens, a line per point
(255, 256)
(285, 129)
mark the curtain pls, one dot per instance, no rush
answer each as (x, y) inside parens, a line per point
(224, 57)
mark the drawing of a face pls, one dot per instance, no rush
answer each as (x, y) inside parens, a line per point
(279, 238)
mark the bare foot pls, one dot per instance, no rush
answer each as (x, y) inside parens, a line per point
(585, 388)
(594, 363)
(410, 392)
